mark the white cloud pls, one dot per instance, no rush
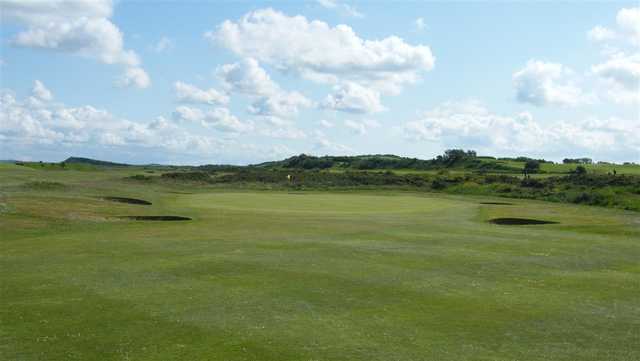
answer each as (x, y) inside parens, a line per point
(329, 4)
(284, 133)
(420, 24)
(628, 20)
(223, 120)
(470, 124)
(323, 144)
(342, 7)
(322, 53)
(361, 127)
(326, 124)
(135, 76)
(627, 28)
(600, 34)
(25, 124)
(217, 118)
(184, 113)
(249, 78)
(55, 10)
(76, 27)
(188, 93)
(621, 75)
(164, 44)
(41, 92)
(544, 83)
(281, 104)
(111, 139)
(353, 98)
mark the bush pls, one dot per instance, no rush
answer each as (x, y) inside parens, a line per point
(140, 177)
(187, 176)
(438, 184)
(532, 183)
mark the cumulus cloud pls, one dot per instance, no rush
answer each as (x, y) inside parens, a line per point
(32, 124)
(326, 124)
(341, 6)
(135, 76)
(420, 24)
(41, 92)
(361, 127)
(223, 120)
(621, 76)
(217, 118)
(188, 93)
(164, 44)
(323, 144)
(600, 34)
(353, 98)
(624, 70)
(628, 20)
(284, 133)
(627, 28)
(247, 77)
(544, 83)
(270, 100)
(619, 73)
(471, 124)
(76, 27)
(280, 104)
(317, 51)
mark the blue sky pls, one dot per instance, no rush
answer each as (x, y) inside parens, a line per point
(244, 82)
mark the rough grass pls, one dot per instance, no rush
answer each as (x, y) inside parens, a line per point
(309, 276)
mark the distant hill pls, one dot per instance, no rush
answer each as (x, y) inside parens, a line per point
(453, 158)
(80, 160)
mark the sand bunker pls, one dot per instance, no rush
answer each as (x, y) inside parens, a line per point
(519, 221)
(156, 218)
(127, 200)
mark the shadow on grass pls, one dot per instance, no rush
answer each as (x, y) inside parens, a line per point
(155, 218)
(519, 221)
(127, 200)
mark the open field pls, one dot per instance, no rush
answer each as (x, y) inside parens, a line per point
(277, 275)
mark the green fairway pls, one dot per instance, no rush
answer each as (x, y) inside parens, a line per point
(266, 275)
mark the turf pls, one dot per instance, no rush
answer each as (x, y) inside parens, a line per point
(307, 275)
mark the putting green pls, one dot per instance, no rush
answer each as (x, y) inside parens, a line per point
(321, 203)
(310, 276)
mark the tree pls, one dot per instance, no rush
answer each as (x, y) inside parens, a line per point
(580, 170)
(455, 156)
(531, 166)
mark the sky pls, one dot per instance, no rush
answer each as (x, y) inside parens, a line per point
(243, 82)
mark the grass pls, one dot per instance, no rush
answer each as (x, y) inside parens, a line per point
(560, 168)
(307, 275)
